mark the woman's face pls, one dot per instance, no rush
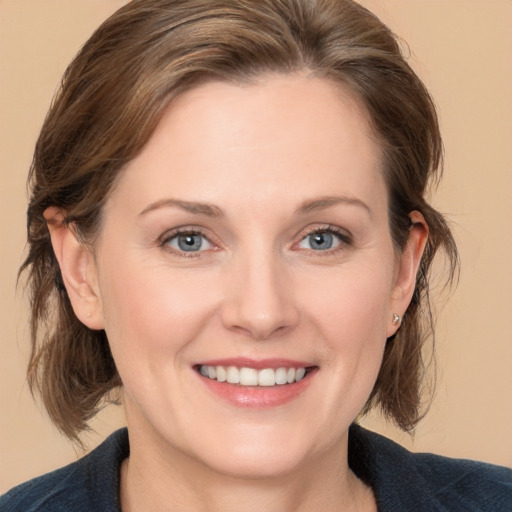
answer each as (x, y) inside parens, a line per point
(251, 232)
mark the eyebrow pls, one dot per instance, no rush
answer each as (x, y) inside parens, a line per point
(322, 203)
(209, 210)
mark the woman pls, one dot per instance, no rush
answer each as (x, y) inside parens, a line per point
(228, 219)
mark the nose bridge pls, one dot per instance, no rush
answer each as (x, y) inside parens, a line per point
(259, 301)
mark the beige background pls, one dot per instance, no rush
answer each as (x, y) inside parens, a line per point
(462, 49)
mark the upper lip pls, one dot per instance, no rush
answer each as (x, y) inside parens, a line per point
(257, 364)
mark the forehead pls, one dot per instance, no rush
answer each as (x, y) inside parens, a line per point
(276, 109)
(282, 133)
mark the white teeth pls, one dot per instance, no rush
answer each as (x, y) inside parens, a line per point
(232, 375)
(281, 376)
(248, 377)
(266, 377)
(251, 377)
(221, 373)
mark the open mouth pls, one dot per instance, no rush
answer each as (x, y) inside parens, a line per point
(246, 376)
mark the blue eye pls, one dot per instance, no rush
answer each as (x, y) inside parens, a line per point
(320, 241)
(189, 242)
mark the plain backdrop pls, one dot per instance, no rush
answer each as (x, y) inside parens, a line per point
(462, 50)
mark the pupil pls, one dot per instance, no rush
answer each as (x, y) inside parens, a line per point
(189, 242)
(322, 240)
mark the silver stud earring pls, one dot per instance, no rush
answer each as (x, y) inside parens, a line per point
(396, 319)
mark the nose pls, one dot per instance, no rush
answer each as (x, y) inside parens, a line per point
(259, 300)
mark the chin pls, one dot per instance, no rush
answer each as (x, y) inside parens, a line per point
(257, 464)
(260, 452)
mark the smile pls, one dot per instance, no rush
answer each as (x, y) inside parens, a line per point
(256, 384)
(245, 376)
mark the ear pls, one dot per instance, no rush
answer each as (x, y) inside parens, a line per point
(409, 263)
(78, 269)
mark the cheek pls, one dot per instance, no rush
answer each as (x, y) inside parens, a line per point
(352, 299)
(351, 316)
(151, 310)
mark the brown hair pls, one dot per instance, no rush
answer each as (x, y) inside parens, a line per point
(112, 97)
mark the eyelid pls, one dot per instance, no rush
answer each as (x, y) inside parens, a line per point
(164, 239)
(344, 236)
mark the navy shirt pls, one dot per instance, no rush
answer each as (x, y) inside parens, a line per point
(401, 480)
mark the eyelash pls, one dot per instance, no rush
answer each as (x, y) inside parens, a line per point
(344, 240)
(165, 240)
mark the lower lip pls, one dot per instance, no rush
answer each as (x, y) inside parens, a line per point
(258, 397)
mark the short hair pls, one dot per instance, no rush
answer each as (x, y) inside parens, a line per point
(111, 99)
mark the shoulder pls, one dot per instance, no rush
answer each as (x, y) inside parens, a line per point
(469, 484)
(422, 482)
(91, 483)
(53, 491)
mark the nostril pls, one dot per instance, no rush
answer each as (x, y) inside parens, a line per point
(260, 325)
(258, 332)
(259, 301)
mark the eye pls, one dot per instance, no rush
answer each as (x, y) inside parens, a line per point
(188, 242)
(322, 240)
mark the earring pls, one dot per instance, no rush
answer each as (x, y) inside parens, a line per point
(396, 319)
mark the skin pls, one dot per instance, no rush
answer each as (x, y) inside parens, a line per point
(265, 156)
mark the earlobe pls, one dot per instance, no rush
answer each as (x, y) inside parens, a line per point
(77, 267)
(410, 260)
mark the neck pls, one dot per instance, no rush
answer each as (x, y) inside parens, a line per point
(154, 479)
